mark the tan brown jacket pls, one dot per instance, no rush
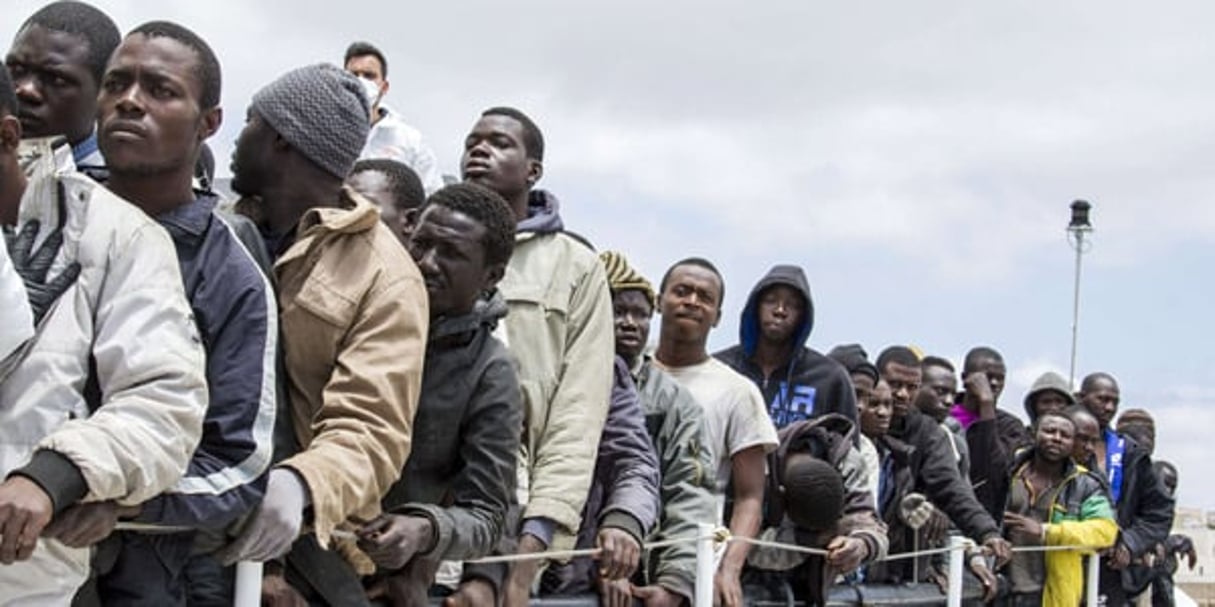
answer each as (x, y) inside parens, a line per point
(354, 319)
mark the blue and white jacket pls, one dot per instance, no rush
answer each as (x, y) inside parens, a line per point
(237, 318)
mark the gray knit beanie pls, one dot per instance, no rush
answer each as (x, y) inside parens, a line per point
(322, 111)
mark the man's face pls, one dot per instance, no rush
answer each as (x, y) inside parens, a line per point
(632, 312)
(56, 88)
(863, 386)
(1048, 401)
(368, 67)
(1140, 433)
(689, 303)
(780, 313)
(377, 188)
(495, 157)
(1088, 435)
(149, 118)
(1055, 438)
(448, 248)
(936, 394)
(252, 163)
(1101, 399)
(996, 372)
(904, 383)
(877, 411)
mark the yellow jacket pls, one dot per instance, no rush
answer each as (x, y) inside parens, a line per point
(354, 317)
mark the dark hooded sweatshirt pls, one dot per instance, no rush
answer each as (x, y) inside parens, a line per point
(809, 384)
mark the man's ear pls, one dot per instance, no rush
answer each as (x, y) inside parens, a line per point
(535, 170)
(210, 123)
(384, 89)
(716, 317)
(493, 275)
(10, 133)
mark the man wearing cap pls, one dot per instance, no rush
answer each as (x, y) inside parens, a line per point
(676, 425)
(352, 306)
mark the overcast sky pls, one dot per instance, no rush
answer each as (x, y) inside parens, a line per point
(916, 158)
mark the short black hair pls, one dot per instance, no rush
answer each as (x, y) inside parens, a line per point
(207, 71)
(699, 262)
(977, 354)
(533, 139)
(403, 182)
(489, 209)
(1078, 410)
(1159, 465)
(361, 49)
(1086, 384)
(899, 355)
(1059, 414)
(85, 21)
(814, 492)
(8, 94)
(937, 361)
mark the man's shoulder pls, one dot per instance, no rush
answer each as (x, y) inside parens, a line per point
(825, 368)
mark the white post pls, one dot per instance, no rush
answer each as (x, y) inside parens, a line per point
(704, 566)
(957, 556)
(248, 584)
(1092, 593)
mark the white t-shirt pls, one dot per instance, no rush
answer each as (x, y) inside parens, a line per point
(735, 415)
(391, 138)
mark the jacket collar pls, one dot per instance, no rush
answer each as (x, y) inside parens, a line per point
(353, 214)
(191, 218)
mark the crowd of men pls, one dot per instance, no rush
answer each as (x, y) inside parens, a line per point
(370, 381)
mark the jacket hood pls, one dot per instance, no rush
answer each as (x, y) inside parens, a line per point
(485, 313)
(1045, 382)
(786, 275)
(543, 214)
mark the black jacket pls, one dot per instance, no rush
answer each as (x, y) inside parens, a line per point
(936, 475)
(993, 445)
(810, 384)
(1145, 512)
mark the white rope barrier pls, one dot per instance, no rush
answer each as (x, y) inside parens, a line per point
(248, 575)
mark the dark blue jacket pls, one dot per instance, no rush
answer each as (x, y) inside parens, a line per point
(810, 384)
(237, 317)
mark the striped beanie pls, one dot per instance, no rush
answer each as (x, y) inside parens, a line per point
(622, 277)
(322, 111)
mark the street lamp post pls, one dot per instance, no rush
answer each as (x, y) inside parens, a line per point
(1077, 230)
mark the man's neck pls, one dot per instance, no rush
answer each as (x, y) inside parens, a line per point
(287, 202)
(1046, 469)
(771, 356)
(519, 204)
(155, 194)
(10, 195)
(672, 353)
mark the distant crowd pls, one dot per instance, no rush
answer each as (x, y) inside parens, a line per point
(370, 380)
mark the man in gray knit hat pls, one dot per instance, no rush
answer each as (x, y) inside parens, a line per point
(353, 313)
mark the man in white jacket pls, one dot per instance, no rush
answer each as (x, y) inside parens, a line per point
(107, 398)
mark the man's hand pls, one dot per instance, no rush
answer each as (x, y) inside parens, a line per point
(25, 510)
(275, 524)
(1191, 556)
(517, 592)
(615, 593)
(619, 553)
(33, 266)
(998, 547)
(915, 510)
(1023, 524)
(978, 566)
(276, 592)
(845, 554)
(979, 395)
(658, 596)
(471, 593)
(727, 588)
(392, 540)
(83, 525)
(1120, 557)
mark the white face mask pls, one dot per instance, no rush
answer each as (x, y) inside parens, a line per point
(372, 90)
